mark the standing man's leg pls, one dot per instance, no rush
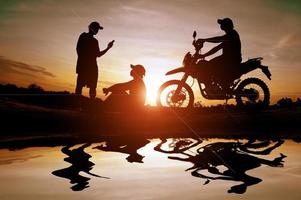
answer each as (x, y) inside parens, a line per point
(92, 92)
(93, 83)
(79, 85)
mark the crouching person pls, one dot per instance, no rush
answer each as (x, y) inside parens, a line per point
(129, 95)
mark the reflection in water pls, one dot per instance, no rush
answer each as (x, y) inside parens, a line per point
(227, 161)
(236, 157)
(32, 179)
(128, 146)
(79, 161)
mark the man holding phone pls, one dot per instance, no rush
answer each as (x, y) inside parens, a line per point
(86, 68)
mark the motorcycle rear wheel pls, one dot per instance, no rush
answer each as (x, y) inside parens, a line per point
(186, 94)
(246, 95)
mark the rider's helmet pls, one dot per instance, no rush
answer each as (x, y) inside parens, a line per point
(227, 22)
(138, 70)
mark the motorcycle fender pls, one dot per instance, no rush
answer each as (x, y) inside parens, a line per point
(175, 71)
(266, 71)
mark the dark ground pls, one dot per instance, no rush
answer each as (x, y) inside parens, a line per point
(53, 118)
(25, 121)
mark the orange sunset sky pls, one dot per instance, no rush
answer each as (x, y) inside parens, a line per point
(38, 39)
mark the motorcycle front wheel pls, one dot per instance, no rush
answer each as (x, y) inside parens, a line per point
(166, 96)
(252, 92)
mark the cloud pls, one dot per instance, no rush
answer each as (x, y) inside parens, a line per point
(12, 66)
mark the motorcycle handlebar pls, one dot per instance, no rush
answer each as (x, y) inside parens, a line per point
(198, 44)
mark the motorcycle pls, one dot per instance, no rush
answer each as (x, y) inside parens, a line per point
(250, 91)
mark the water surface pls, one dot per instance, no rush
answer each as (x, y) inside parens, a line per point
(154, 169)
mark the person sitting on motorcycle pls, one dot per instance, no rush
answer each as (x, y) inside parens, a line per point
(131, 94)
(225, 66)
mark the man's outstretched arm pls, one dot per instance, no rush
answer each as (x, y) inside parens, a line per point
(212, 51)
(101, 53)
(217, 39)
(119, 87)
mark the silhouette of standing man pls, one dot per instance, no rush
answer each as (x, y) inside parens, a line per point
(86, 68)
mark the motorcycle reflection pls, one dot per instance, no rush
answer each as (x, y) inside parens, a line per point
(228, 161)
(250, 91)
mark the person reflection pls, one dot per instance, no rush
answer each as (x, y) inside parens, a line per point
(127, 146)
(236, 158)
(178, 145)
(79, 161)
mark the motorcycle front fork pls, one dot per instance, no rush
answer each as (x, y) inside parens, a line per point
(182, 83)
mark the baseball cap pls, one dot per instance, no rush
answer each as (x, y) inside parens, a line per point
(226, 21)
(139, 69)
(95, 25)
